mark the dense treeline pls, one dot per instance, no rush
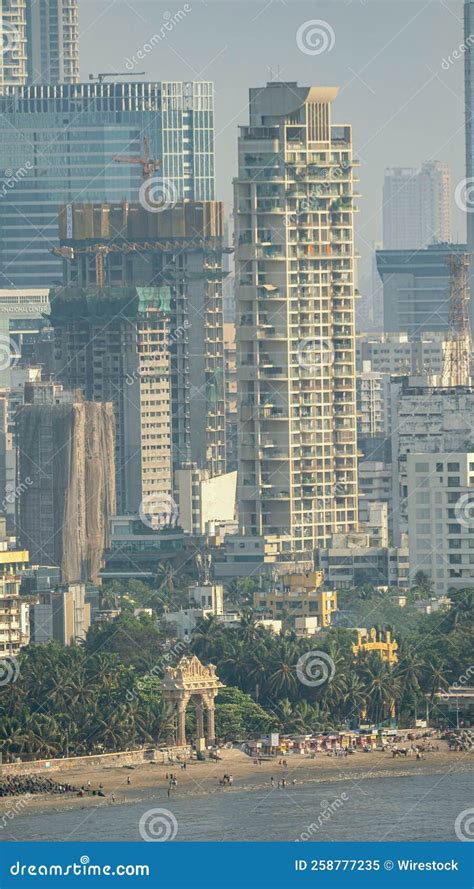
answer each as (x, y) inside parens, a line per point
(105, 694)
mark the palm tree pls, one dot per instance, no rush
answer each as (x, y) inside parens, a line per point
(249, 630)
(382, 688)
(208, 639)
(408, 671)
(282, 678)
(354, 697)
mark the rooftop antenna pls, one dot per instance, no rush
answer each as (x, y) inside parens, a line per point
(458, 345)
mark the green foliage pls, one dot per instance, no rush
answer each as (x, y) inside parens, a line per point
(238, 716)
(67, 701)
(106, 693)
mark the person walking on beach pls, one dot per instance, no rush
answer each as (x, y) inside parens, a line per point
(129, 780)
(272, 781)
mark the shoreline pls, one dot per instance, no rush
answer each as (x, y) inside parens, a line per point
(202, 778)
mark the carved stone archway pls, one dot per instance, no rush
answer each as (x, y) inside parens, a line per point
(191, 680)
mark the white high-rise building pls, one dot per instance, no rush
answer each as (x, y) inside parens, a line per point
(441, 518)
(426, 419)
(294, 206)
(13, 57)
(416, 206)
(40, 42)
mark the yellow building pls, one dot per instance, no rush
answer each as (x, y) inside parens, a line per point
(12, 561)
(373, 640)
(299, 595)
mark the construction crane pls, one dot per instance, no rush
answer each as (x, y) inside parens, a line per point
(103, 74)
(99, 250)
(458, 346)
(149, 166)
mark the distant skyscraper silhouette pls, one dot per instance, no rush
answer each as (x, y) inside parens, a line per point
(416, 206)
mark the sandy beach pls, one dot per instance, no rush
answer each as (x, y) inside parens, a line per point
(149, 780)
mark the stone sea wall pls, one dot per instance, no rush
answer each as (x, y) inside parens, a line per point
(110, 760)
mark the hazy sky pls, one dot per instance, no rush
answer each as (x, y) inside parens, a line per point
(405, 104)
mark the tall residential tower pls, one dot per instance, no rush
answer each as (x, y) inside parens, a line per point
(40, 42)
(295, 319)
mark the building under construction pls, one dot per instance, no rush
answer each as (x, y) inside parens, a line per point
(139, 322)
(66, 479)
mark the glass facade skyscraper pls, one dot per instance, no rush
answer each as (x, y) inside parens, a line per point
(58, 143)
